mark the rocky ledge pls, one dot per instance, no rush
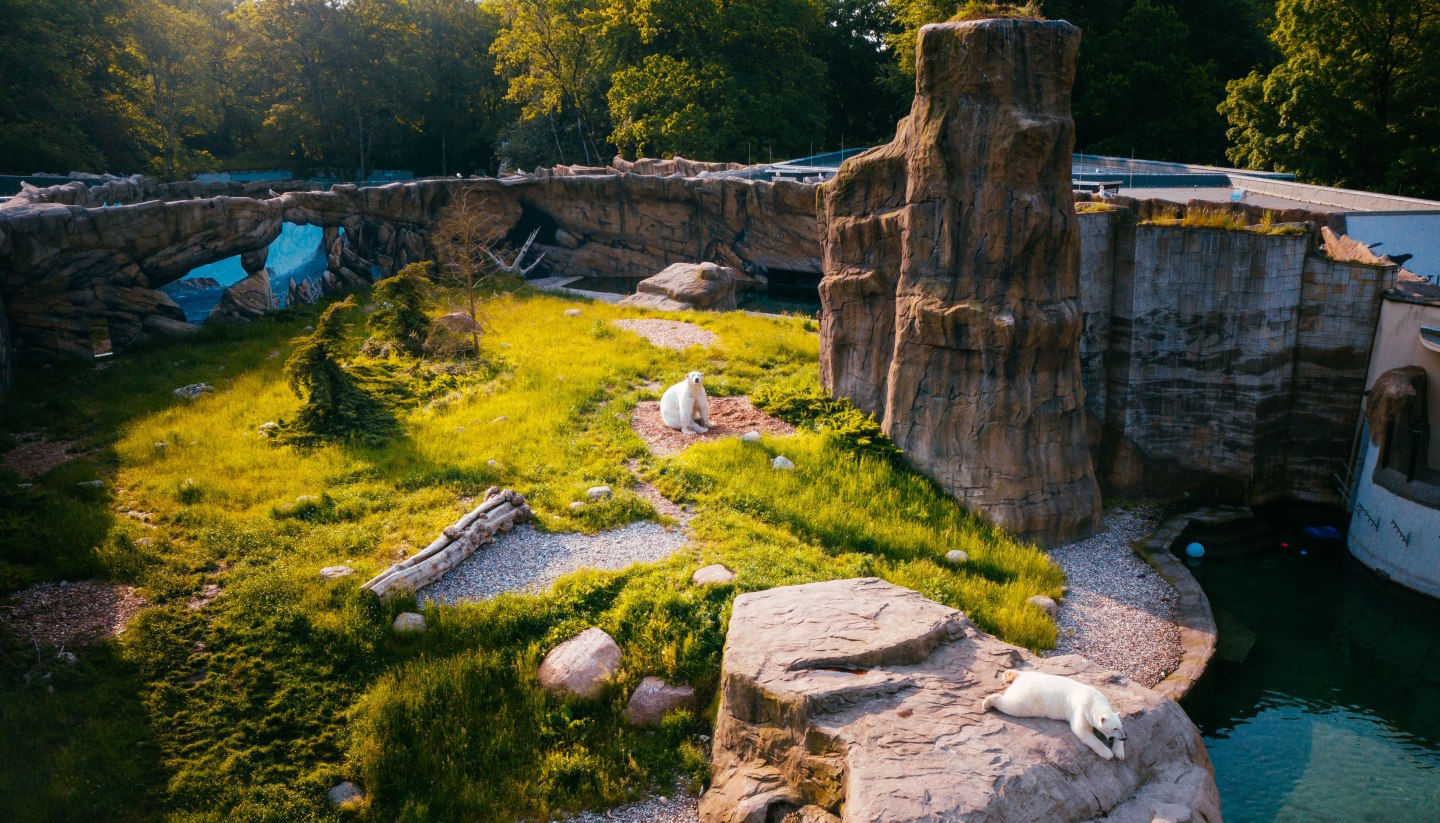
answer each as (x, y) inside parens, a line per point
(858, 700)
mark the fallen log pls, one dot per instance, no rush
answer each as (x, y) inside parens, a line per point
(500, 511)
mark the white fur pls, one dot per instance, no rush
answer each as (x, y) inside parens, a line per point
(685, 407)
(1032, 694)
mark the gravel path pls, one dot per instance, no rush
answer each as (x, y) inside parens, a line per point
(1118, 612)
(528, 559)
(681, 809)
(671, 334)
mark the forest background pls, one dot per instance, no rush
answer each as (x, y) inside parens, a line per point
(1339, 92)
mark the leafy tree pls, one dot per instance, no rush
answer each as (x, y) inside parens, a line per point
(401, 318)
(335, 407)
(177, 47)
(1353, 102)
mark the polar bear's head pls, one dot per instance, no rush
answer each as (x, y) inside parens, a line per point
(695, 378)
(1107, 722)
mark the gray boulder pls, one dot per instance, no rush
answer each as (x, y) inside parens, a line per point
(580, 666)
(685, 286)
(863, 699)
(653, 699)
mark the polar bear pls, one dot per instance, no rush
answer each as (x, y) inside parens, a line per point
(1033, 694)
(685, 407)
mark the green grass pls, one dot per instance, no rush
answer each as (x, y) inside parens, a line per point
(250, 708)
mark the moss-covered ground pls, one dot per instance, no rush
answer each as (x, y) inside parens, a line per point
(252, 706)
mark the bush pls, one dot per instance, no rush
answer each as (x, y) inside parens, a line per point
(401, 318)
(809, 406)
(335, 408)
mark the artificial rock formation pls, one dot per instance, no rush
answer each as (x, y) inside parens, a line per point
(951, 286)
(862, 700)
(685, 286)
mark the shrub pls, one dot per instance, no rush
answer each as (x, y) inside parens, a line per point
(335, 407)
(811, 407)
(401, 317)
(977, 10)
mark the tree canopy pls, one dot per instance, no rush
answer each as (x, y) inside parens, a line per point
(1337, 91)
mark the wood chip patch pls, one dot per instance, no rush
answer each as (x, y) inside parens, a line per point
(729, 417)
(670, 334)
(59, 615)
(35, 457)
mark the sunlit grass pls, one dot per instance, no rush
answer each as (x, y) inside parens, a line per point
(252, 707)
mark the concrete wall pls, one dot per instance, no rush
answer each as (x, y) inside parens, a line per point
(1392, 534)
(1397, 343)
(1221, 362)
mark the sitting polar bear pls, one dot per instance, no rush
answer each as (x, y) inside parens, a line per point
(1033, 694)
(685, 407)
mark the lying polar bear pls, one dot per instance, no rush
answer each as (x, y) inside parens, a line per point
(685, 407)
(1033, 694)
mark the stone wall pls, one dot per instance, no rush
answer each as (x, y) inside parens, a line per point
(1225, 363)
(7, 367)
(63, 265)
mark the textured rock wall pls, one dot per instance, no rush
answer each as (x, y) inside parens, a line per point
(62, 265)
(7, 369)
(982, 384)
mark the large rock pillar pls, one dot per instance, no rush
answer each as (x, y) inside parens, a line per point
(976, 371)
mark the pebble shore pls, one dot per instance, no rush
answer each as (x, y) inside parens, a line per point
(1118, 611)
(528, 559)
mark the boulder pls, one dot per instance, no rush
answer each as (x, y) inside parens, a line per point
(950, 299)
(346, 793)
(409, 623)
(685, 286)
(714, 574)
(597, 493)
(193, 390)
(1045, 604)
(459, 322)
(336, 572)
(864, 699)
(653, 699)
(249, 299)
(581, 666)
(751, 437)
(956, 557)
(782, 463)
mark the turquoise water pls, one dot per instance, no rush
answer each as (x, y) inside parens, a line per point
(1323, 700)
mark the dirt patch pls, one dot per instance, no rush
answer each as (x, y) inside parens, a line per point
(64, 614)
(670, 334)
(729, 417)
(35, 457)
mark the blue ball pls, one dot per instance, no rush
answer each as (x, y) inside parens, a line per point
(1195, 550)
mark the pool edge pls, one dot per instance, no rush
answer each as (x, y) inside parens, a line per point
(1192, 608)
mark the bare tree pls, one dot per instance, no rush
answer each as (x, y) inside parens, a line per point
(469, 245)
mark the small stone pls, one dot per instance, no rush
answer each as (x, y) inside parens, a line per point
(572, 312)
(161, 446)
(307, 499)
(409, 622)
(599, 493)
(782, 462)
(577, 506)
(714, 574)
(492, 463)
(336, 572)
(274, 353)
(346, 793)
(269, 429)
(751, 437)
(144, 541)
(94, 484)
(653, 699)
(956, 557)
(308, 329)
(68, 658)
(27, 485)
(581, 665)
(1045, 603)
(501, 419)
(193, 390)
(459, 429)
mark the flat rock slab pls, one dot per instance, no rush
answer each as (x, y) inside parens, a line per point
(729, 417)
(864, 699)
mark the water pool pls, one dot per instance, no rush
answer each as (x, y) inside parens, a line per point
(1323, 700)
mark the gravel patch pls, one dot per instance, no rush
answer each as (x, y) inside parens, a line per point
(670, 334)
(64, 614)
(529, 560)
(1118, 612)
(680, 809)
(729, 417)
(33, 457)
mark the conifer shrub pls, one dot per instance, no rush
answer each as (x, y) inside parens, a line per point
(400, 319)
(335, 407)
